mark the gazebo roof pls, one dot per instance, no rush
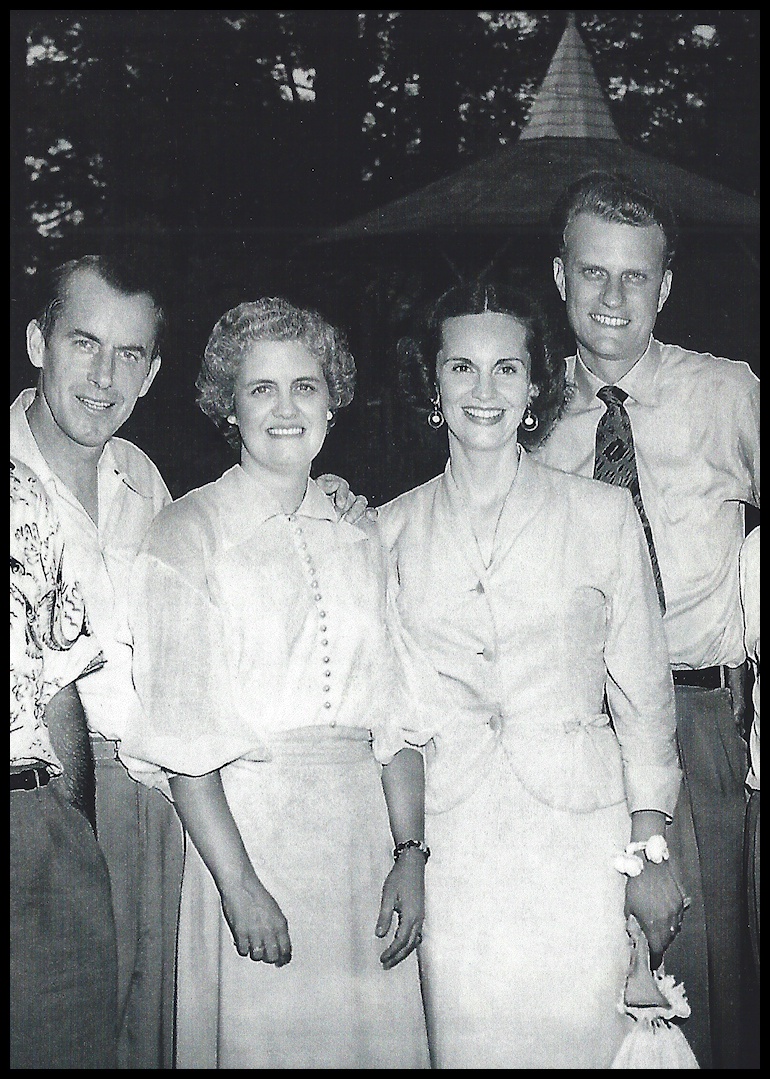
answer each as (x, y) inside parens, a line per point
(570, 103)
(569, 132)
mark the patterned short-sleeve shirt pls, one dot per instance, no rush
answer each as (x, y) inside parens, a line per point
(51, 642)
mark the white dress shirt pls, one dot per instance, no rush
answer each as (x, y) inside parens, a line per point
(695, 421)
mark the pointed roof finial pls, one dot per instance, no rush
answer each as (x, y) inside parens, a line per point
(570, 103)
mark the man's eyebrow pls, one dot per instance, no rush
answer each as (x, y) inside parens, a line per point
(75, 332)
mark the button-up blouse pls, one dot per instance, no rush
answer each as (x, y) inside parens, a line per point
(248, 621)
(516, 655)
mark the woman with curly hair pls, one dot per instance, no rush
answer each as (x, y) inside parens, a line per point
(271, 705)
(533, 648)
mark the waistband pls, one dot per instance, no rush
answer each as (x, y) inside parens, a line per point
(314, 744)
(29, 779)
(104, 748)
(704, 677)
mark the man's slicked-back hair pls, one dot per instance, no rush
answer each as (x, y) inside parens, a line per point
(614, 197)
(126, 274)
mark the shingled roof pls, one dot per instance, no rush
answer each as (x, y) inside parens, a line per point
(568, 133)
(570, 103)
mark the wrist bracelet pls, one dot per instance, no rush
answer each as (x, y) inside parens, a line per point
(418, 844)
(655, 850)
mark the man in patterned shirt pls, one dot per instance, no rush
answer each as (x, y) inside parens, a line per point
(63, 985)
(95, 345)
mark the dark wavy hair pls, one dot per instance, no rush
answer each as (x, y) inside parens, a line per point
(615, 198)
(269, 319)
(417, 351)
(124, 273)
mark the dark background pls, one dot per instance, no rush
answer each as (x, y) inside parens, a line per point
(223, 143)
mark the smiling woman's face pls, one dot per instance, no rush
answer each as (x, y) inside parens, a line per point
(482, 373)
(281, 400)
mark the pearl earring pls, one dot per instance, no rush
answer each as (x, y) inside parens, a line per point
(231, 419)
(435, 417)
(530, 422)
(329, 414)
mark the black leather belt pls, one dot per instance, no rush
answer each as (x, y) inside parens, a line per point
(706, 678)
(30, 779)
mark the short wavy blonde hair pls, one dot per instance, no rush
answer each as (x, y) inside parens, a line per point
(269, 319)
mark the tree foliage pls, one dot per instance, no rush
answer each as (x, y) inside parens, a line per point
(230, 120)
(223, 139)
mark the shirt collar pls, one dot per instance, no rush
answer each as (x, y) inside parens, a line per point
(23, 444)
(28, 449)
(246, 500)
(640, 383)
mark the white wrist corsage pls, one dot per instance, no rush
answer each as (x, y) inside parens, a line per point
(655, 850)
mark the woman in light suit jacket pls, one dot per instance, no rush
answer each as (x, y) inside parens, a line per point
(532, 639)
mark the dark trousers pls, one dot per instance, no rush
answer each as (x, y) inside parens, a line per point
(752, 875)
(142, 840)
(63, 955)
(707, 839)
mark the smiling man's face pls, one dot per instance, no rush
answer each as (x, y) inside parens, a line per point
(614, 282)
(97, 360)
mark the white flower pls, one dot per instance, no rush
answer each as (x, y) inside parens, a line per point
(628, 863)
(656, 849)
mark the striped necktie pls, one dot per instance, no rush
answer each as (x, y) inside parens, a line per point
(615, 463)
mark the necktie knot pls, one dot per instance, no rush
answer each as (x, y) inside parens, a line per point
(612, 396)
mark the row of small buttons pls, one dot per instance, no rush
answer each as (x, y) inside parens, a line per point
(318, 600)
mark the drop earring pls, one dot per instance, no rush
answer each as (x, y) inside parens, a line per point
(529, 421)
(232, 420)
(436, 416)
(329, 414)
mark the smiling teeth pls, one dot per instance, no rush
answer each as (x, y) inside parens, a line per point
(610, 320)
(280, 431)
(100, 405)
(484, 413)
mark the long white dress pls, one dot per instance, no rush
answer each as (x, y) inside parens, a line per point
(529, 785)
(261, 650)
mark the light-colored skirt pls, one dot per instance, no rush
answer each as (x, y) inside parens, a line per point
(524, 953)
(315, 825)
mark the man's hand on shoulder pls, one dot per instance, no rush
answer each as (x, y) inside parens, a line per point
(351, 508)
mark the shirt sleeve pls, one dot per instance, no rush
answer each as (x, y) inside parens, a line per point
(640, 689)
(746, 429)
(188, 722)
(395, 722)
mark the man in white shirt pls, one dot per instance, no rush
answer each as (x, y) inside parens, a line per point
(695, 439)
(95, 345)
